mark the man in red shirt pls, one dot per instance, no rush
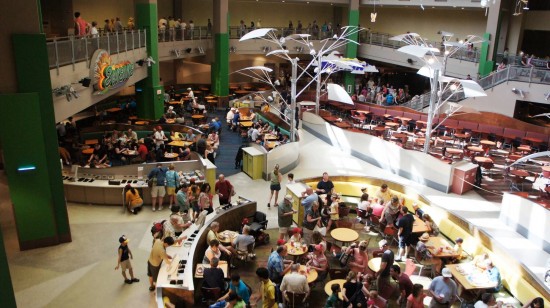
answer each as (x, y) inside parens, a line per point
(223, 189)
(81, 26)
(404, 282)
(142, 151)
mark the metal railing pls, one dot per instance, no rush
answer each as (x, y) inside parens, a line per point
(418, 103)
(179, 34)
(516, 60)
(516, 73)
(73, 49)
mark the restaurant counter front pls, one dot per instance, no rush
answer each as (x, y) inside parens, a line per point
(106, 185)
(178, 282)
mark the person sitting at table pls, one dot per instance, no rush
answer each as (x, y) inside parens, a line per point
(99, 156)
(383, 193)
(277, 266)
(235, 121)
(433, 229)
(284, 139)
(214, 140)
(494, 276)
(184, 153)
(190, 136)
(175, 136)
(295, 282)
(417, 210)
(117, 156)
(237, 287)
(391, 211)
(198, 108)
(170, 113)
(416, 298)
(479, 261)
(214, 126)
(318, 239)
(360, 261)
(536, 302)
(254, 133)
(333, 300)
(229, 117)
(245, 242)
(458, 249)
(319, 262)
(133, 201)
(487, 301)
(214, 276)
(130, 134)
(312, 218)
(423, 255)
(252, 116)
(296, 235)
(213, 251)
(213, 234)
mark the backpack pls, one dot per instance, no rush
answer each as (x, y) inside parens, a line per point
(344, 258)
(158, 229)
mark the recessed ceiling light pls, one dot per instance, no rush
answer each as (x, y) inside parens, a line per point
(433, 7)
(461, 8)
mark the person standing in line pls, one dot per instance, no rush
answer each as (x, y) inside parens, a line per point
(124, 256)
(172, 180)
(275, 186)
(81, 26)
(285, 216)
(158, 176)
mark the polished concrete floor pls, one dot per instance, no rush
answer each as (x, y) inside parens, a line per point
(81, 273)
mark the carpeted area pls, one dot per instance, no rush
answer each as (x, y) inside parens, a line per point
(230, 142)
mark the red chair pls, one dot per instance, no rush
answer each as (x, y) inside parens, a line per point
(380, 302)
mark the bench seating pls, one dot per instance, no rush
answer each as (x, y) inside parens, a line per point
(514, 278)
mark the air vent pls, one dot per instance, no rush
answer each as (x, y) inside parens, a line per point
(440, 0)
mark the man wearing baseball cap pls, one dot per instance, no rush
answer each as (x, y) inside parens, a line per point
(124, 256)
(443, 290)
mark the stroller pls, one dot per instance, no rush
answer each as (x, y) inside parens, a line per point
(257, 224)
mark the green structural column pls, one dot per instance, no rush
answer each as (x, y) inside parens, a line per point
(351, 49)
(8, 298)
(485, 65)
(220, 65)
(151, 98)
(37, 195)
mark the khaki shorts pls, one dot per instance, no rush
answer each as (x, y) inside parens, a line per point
(125, 265)
(283, 230)
(170, 191)
(158, 191)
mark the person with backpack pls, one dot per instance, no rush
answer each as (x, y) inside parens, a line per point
(172, 180)
(158, 178)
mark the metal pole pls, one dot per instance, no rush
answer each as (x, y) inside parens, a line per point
(293, 81)
(433, 102)
(318, 92)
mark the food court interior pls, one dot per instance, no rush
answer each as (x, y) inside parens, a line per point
(60, 226)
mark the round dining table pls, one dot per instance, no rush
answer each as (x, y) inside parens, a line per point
(374, 264)
(329, 284)
(344, 235)
(311, 276)
(296, 249)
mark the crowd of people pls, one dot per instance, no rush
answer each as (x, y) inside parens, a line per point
(112, 25)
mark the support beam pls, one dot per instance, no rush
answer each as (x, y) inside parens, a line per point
(220, 66)
(351, 49)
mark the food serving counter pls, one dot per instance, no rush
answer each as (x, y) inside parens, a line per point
(106, 185)
(178, 282)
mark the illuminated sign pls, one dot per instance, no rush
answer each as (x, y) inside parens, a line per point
(106, 75)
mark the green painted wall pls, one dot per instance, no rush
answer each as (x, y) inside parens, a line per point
(485, 66)
(351, 49)
(34, 122)
(150, 104)
(8, 298)
(220, 66)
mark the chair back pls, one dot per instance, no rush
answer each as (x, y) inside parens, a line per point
(211, 294)
(380, 302)
(344, 224)
(343, 211)
(361, 213)
(410, 267)
(337, 273)
(295, 299)
(390, 231)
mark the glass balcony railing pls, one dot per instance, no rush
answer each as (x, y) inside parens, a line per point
(529, 74)
(72, 49)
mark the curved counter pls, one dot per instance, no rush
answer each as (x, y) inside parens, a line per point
(193, 250)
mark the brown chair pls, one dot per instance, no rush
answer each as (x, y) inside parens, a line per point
(343, 212)
(291, 299)
(390, 234)
(337, 273)
(211, 295)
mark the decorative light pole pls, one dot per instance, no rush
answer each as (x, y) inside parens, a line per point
(435, 70)
(325, 47)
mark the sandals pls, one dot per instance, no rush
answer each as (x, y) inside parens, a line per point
(151, 288)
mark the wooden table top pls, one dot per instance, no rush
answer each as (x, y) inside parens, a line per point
(363, 111)
(203, 89)
(212, 101)
(141, 123)
(462, 136)
(88, 151)
(132, 117)
(466, 274)
(344, 235)
(311, 276)
(437, 242)
(295, 251)
(270, 137)
(454, 151)
(199, 270)
(246, 123)
(374, 264)
(475, 149)
(209, 97)
(91, 141)
(424, 281)
(380, 128)
(130, 152)
(329, 284)
(330, 118)
(170, 155)
(272, 144)
(197, 116)
(483, 159)
(175, 103)
(114, 109)
(421, 122)
(227, 236)
(392, 124)
(170, 121)
(400, 135)
(342, 124)
(524, 148)
(520, 173)
(533, 139)
(180, 143)
(241, 92)
(487, 142)
(445, 137)
(419, 226)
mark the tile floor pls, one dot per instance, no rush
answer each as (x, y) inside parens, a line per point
(81, 273)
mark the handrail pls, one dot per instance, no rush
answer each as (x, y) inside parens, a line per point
(69, 50)
(528, 74)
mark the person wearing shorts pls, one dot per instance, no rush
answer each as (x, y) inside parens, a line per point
(124, 256)
(172, 180)
(158, 254)
(285, 213)
(404, 232)
(275, 186)
(158, 176)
